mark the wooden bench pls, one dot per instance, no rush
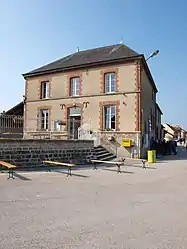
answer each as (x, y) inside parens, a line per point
(118, 164)
(69, 165)
(10, 168)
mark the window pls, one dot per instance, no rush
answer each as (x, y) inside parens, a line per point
(110, 117)
(57, 125)
(110, 82)
(44, 90)
(75, 86)
(44, 119)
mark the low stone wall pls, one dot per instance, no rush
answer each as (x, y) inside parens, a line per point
(31, 153)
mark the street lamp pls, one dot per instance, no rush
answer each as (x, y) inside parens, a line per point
(153, 54)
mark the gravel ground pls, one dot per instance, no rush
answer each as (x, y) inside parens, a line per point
(139, 209)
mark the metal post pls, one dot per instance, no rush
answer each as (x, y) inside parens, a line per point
(119, 168)
(69, 171)
(10, 174)
(144, 166)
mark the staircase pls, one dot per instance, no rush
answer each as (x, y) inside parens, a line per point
(103, 154)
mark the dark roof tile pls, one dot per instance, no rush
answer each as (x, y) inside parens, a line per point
(102, 54)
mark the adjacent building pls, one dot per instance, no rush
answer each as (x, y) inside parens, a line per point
(158, 130)
(174, 132)
(11, 122)
(106, 94)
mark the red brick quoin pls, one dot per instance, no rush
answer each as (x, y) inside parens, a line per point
(137, 97)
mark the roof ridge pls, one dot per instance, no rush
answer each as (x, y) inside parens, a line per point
(97, 48)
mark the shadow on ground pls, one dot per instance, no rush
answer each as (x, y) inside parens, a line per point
(73, 174)
(21, 177)
(122, 171)
(139, 166)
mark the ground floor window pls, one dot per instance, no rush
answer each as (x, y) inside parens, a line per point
(110, 117)
(44, 119)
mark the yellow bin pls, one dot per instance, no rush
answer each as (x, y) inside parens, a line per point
(151, 156)
(154, 156)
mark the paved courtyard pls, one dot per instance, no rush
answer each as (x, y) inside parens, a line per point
(139, 209)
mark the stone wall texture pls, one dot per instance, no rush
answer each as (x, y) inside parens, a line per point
(32, 153)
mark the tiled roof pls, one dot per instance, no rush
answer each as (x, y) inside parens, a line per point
(102, 54)
(16, 110)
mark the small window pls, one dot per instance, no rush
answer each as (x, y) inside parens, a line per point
(75, 86)
(44, 119)
(57, 125)
(44, 90)
(110, 82)
(110, 117)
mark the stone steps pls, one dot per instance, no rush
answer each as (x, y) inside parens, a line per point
(103, 154)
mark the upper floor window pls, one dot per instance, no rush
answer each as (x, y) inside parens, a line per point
(110, 117)
(44, 90)
(44, 120)
(110, 82)
(75, 86)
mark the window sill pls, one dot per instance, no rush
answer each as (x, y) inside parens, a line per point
(42, 130)
(109, 131)
(45, 98)
(74, 96)
(109, 92)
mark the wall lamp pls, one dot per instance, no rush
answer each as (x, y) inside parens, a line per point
(153, 54)
(62, 106)
(85, 104)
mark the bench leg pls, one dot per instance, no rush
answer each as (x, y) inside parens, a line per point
(144, 166)
(48, 168)
(94, 166)
(69, 171)
(119, 168)
(10, 174)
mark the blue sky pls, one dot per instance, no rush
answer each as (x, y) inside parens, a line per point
(35, 32)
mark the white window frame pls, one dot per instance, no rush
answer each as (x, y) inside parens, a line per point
(110, 117)
(57, 126)
(75, 86)
(46, 120)
(109, 81)
(45, 90)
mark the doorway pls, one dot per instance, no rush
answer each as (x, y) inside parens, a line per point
(74, 122)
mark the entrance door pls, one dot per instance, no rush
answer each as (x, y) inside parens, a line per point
(74, 122)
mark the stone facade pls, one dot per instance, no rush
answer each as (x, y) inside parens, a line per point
(132, 93)
(31, 153)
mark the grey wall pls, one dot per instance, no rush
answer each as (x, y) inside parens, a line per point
(31, 153)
